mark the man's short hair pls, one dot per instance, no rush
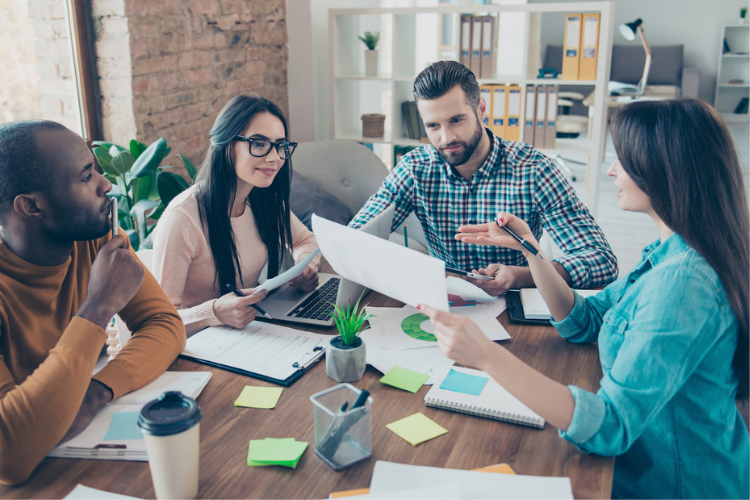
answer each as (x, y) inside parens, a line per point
(438, 78)
(21, 164)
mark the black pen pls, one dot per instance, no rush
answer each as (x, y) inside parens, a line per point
(238, 293)
(528, 246)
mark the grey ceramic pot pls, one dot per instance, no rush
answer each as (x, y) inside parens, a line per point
(345, 365)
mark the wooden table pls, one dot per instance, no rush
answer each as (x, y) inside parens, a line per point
(471, 442)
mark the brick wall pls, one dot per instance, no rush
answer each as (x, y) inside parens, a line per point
(167, 67)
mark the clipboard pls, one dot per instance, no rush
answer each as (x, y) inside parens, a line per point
(515, 310)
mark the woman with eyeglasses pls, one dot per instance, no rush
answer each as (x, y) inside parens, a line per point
(235, 219)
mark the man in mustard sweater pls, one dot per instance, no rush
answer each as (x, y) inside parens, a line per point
(62, 277)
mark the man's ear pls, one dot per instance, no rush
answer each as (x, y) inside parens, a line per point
(482, 109)
(29, 206)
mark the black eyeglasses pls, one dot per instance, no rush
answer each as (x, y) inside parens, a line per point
(261, 147)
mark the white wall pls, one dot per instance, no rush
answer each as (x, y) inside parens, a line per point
(300, 72)
(696, 24)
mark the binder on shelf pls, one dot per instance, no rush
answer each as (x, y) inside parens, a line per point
(529, 116)
(541, 116)
(399, 152)
(476, 45)
(499, 114)
(589, 47)
(572, 47)
(488, 49)
(486, 92)
(513, 108)
(550, 129)
(421, 132)
(465, 56)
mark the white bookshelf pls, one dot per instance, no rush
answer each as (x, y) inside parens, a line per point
(353, 94)
(734, 65)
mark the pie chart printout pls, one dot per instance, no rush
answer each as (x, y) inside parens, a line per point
(418, 326)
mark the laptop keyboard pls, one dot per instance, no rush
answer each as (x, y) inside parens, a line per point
(319, 305)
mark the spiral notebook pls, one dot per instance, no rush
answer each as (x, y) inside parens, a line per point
(492, 401)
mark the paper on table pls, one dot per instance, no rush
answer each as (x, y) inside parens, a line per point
(259, 397)
(191, 384)
(442, 492)
(416, 429)
(287, 275)
(428, 360)
(82, 492)
(466, 290)
(388, 477)
(403, 378)
(124, 425)
(463, 382)
(534, 306)
(388, 268)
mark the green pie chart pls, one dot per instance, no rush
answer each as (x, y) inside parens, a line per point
(412, 326)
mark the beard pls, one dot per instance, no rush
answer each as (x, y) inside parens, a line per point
(75, 224)
(462, 156)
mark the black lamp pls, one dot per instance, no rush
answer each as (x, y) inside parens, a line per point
(628, 31)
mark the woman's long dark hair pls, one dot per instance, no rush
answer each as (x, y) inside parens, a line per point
(270, 206)
(680, 153)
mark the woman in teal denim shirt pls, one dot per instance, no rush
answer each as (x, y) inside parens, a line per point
(672, 334)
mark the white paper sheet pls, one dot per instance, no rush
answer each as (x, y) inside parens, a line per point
(442, 492)
(191, 384)
(407, 328)
(82, 492)
(287, 275)
(388, 268)
(390, 477)
(428, 360)
(466, 290)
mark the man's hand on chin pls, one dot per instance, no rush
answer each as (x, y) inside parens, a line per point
(97, 395)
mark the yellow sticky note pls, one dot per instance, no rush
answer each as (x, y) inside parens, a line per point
(259, 397)
(416, 429)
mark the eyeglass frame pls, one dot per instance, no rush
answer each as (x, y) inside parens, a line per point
(271, 145)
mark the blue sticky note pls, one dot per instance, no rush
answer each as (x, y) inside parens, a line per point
(463, 382)
(124, 426)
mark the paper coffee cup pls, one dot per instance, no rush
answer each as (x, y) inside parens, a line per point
(171, 430)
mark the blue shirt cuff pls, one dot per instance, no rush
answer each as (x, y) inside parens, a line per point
(574, 321)
(588, 416)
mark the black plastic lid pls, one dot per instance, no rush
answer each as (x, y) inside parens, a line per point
(171, 413)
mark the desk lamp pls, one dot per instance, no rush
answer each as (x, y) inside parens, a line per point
(628, 31)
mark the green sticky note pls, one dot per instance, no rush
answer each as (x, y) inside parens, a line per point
(402, 378)
(416, 429)
(259, 397)
(285, 452)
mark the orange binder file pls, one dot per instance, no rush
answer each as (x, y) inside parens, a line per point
(488, 50)
(530, 115)
(589, 47)
(513, 107)
(499, 114)
(572, 47)
(550, 129)
(465, 56)
(486, 92)
(541, 116)
(476, 45)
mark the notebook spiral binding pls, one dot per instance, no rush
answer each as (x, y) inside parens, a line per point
(475, 411)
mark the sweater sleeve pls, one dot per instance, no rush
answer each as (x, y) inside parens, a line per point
(175, 242)
(36, 414)
(303, 242)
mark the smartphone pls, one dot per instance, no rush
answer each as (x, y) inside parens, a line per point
(113, 216)
(480, 277)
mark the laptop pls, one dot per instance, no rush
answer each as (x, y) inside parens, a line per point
(290, 304)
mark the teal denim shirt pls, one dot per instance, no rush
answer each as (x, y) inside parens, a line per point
(666, 407)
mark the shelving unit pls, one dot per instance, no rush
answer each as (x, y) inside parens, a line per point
(353, 94)
(734, 65)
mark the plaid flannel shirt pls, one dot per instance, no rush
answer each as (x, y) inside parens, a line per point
(514, 178)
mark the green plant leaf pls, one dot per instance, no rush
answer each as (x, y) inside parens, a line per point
(108, 145)
(169, 186)
(124, 190)
(137, 148)
(153, 193)
(105, 161)
(189, 167)
(141, 207)
(156, 214)
(134, 239)
(150, 159)
(141, 188)
(122, 162)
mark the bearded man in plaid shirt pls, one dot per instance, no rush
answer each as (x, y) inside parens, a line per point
(467, 175)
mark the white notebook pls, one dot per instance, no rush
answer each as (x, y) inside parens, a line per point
(493, 402)
(534, 306)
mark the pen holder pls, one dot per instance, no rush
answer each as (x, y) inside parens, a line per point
(342, 438)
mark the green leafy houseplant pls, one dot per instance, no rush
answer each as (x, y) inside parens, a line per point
(142, 188)
(371, 39)
(349, 322)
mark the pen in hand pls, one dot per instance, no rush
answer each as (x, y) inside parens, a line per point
(528, 246)
(238, 293)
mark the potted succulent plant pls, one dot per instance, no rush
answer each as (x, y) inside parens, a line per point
(346, 353)
(743, 15)
(371, 55)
